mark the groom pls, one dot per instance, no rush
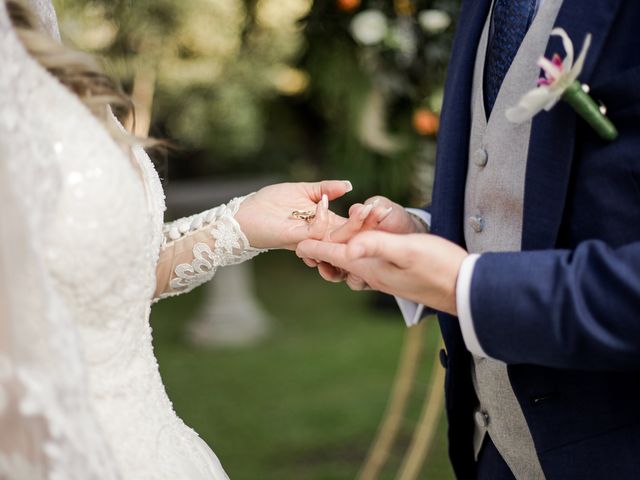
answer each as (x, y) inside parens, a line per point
(534, 261)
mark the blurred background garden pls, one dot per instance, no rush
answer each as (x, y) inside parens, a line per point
(292, 378)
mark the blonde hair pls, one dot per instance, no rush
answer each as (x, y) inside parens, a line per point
(77, 71)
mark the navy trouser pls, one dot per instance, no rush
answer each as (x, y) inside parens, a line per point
(491, 466)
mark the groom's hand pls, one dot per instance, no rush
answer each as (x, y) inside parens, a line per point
(419, 267)
(377, 213)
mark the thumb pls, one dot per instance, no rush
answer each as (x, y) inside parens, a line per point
(331, 188)
(390, 247)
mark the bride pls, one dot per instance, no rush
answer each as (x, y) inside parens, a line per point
(83, 255)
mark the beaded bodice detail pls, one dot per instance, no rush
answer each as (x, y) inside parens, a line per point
(101, 237)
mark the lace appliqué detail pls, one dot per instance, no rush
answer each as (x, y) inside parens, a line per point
(198, 271)
(229, 246)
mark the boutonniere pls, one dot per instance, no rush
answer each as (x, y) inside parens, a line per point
(560, 82)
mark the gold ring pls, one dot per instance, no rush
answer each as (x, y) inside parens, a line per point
(306, 215)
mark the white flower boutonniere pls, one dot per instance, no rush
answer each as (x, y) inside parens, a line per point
(560, 82)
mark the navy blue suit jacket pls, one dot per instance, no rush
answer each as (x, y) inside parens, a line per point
(565, 312)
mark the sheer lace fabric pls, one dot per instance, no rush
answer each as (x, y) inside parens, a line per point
(194, 248)
(81, 233)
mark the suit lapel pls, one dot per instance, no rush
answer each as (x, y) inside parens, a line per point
(453, 140)
(553, 133)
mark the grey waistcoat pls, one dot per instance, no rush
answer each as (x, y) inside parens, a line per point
(493, 207)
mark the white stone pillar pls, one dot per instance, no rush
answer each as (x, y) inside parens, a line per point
(231, 315)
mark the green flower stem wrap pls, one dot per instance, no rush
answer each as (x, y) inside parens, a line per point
(589, 110)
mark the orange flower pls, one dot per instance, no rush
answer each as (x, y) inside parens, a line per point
(425, 122)
(348, 5)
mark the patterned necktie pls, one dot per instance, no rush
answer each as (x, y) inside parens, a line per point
(510, 22)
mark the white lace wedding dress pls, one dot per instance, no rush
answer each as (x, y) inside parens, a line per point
(81, 236)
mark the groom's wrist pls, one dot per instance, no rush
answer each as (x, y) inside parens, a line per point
(420, 219)
(419, 225)
(463, 305)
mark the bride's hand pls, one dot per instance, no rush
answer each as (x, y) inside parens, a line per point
(266, 217)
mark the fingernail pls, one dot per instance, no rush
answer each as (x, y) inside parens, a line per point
(364, 213)
(385, 214)
(375, 202)
(325, 201)
(349, 186)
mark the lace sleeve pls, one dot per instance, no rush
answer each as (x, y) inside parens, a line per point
(194, 247)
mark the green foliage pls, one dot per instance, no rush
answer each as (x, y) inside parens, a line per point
(282, 86)
(367, 94)
(217, 61)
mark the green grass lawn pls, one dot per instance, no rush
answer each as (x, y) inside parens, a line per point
(306, 402)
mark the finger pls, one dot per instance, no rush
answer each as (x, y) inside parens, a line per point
(331, 273)
(386, 246)
(356, 283)
(381, 213)
(353, 209)
(379, 200)
(331, 188)
(333, 253)
(309, 262)
(353, 226)
(374, 203)
(377, 216)
(318, 227)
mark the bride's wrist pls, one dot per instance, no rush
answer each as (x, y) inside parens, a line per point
(244, 217)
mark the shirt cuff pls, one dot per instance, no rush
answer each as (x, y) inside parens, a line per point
(463, 303)
(423, 214)
(411, 311)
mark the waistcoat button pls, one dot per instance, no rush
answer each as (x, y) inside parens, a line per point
(477, 223)
(482, 419)
(480, 157)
